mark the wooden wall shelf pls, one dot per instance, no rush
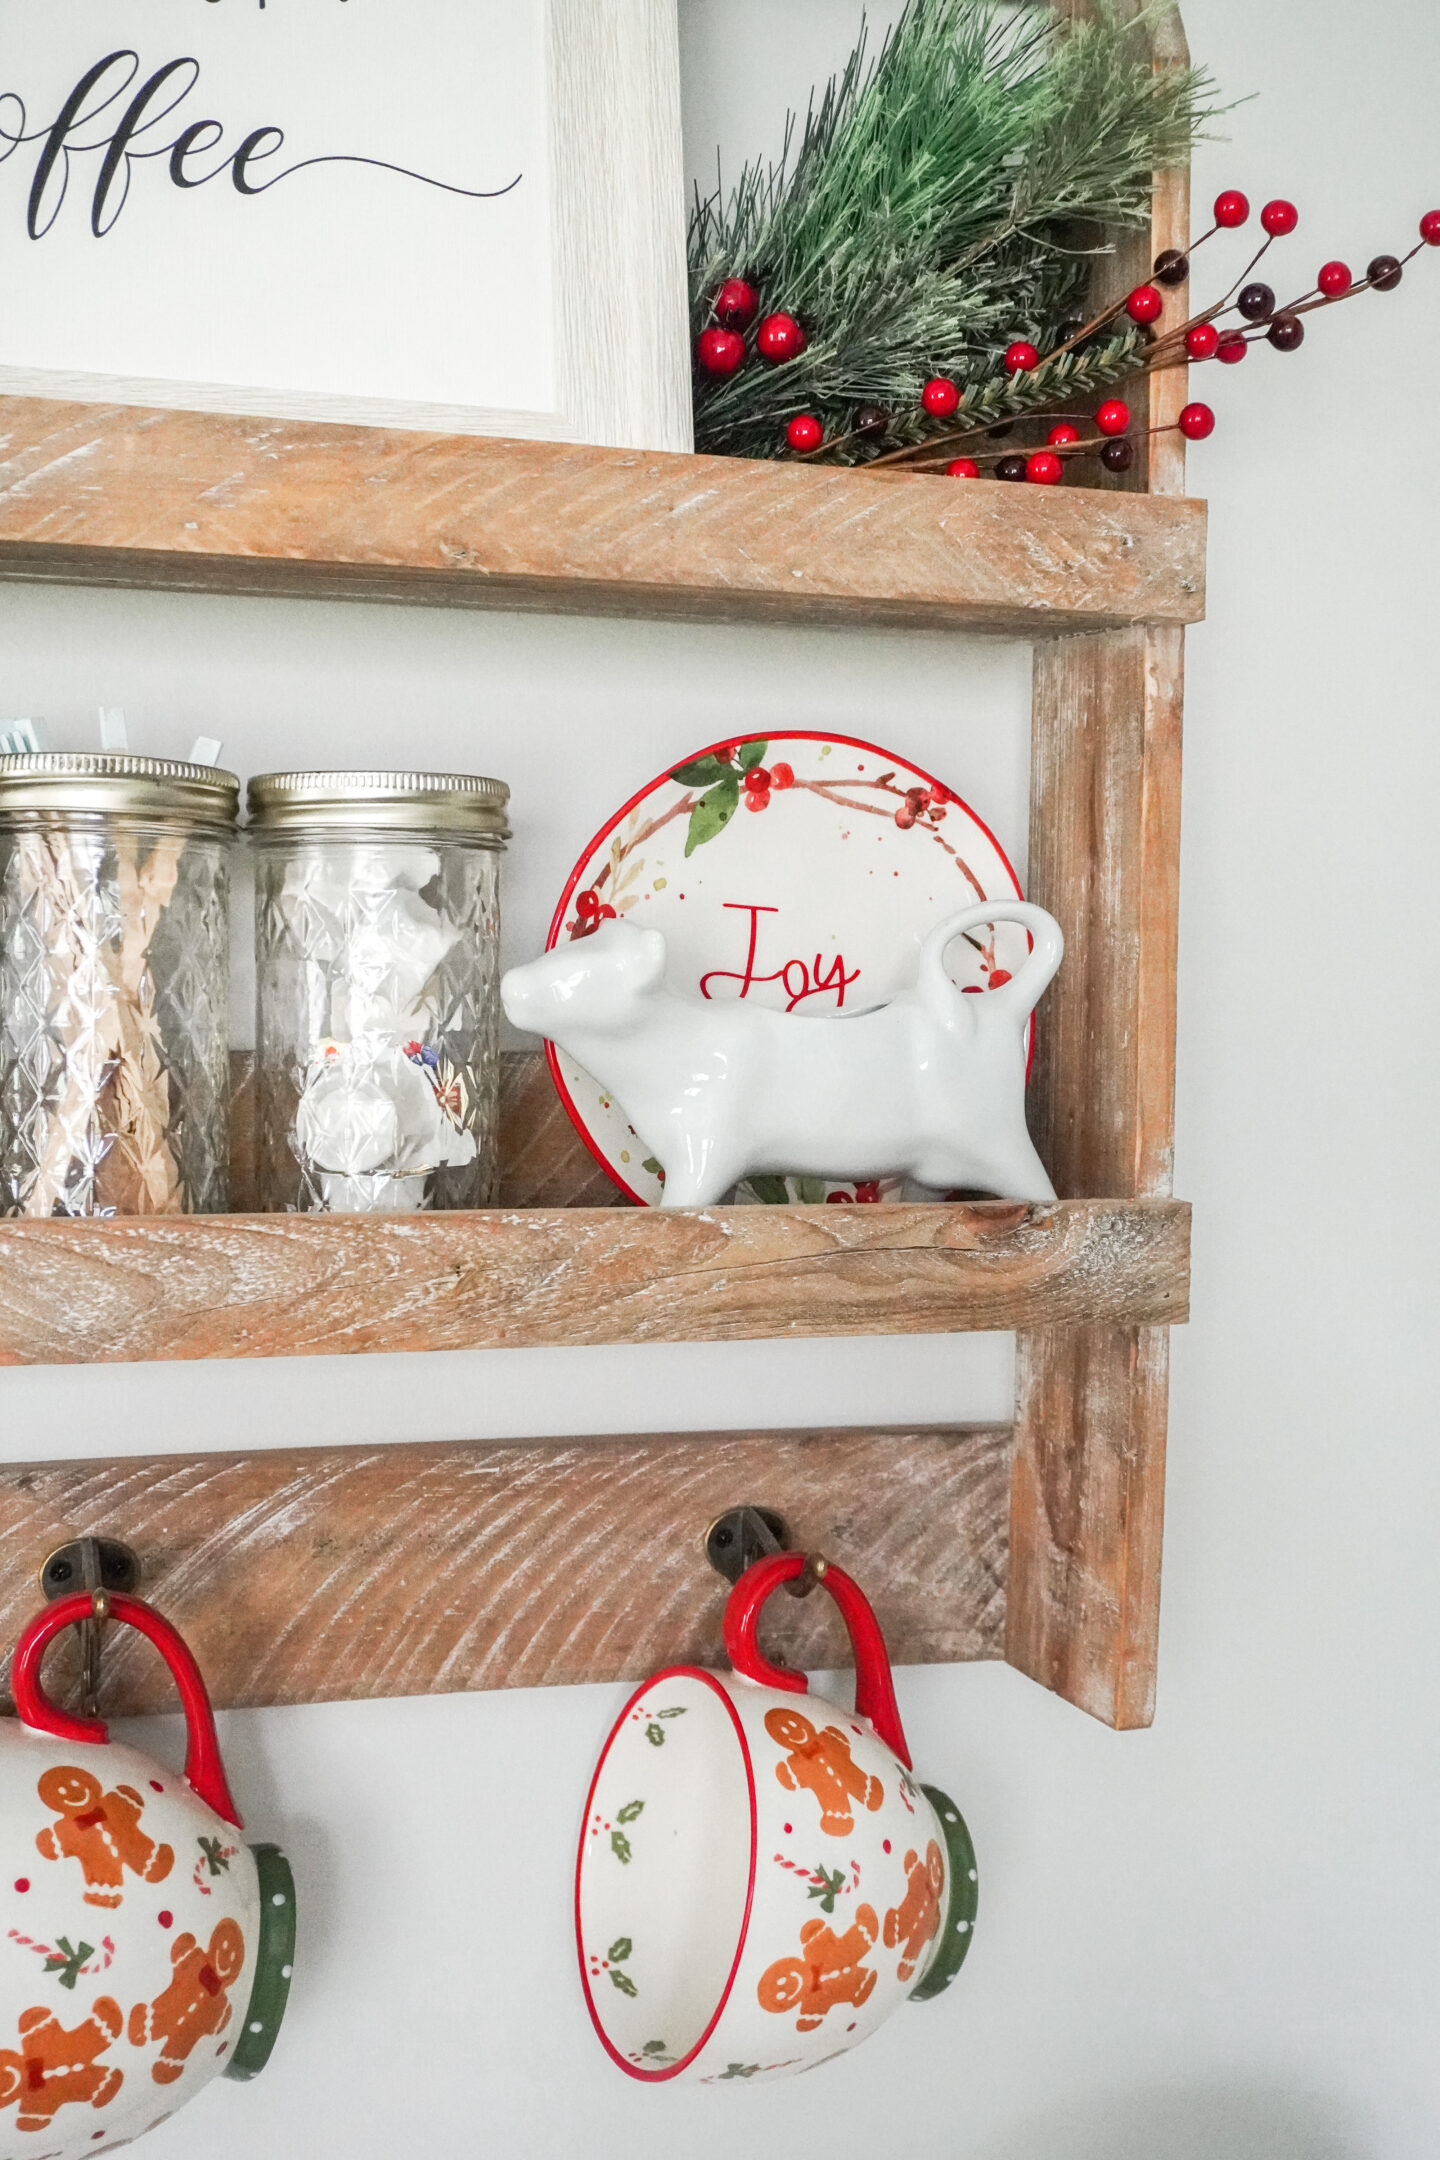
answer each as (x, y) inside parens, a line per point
(306, 1575)
(234, 1286)
(192, 502)
(478, 1567)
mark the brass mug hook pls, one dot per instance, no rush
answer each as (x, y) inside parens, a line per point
(101, 1566)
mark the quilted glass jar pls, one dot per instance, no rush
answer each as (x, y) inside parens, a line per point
(114, 984)
(377, 940)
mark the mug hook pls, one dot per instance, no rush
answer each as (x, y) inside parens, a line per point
(97, 1566)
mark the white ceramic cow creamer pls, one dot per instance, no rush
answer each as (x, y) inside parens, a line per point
(930, 1086)
(145, 1948)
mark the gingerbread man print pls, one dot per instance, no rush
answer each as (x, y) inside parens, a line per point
(102, 1831)
(52, 2067)
(195, 2003)
(916, 1919)
(829, 1971)
(820, 1762)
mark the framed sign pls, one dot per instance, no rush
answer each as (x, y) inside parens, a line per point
(460, 215)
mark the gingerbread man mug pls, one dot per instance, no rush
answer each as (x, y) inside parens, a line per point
(145, 1948)
(761, 1879)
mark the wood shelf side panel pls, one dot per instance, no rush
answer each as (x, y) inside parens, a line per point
(344, 1573)
(212, 502)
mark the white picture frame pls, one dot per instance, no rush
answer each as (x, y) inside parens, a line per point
(607, 279)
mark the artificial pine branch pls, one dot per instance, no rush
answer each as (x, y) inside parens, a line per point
(925, 215)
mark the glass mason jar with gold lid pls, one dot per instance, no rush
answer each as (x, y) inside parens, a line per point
(114, 984)
(377, 947)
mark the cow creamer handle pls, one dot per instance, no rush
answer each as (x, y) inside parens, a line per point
(204, 1770)
(874, 1685)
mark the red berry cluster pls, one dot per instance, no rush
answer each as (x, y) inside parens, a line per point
(590, 912)
(721, 349)
(922, 803)
(1206, 336)
(761, 780)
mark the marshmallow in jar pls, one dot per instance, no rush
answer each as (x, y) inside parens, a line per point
(377, 931)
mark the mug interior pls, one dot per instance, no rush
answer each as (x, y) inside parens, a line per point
(666, 1870)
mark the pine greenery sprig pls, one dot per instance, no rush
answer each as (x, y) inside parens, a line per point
(925, 215)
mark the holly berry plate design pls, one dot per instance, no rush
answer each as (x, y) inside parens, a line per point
(801, 870)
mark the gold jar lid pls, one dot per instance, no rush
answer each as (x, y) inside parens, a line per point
(79, 783)
(312, 804)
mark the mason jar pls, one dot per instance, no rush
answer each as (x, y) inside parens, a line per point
(114, 984)
(377, 947)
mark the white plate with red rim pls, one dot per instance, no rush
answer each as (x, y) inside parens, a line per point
(801, 870)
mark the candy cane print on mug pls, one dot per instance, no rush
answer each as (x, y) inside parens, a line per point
(145, 1948)
(761, 1878)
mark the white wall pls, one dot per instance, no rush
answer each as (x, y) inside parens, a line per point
(1217, 1938)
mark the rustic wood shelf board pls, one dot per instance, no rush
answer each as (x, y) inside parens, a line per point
(320, 1574)
(120, 495)
(232, 1286)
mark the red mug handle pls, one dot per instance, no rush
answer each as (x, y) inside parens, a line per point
(874, 1687)
(204, 1771)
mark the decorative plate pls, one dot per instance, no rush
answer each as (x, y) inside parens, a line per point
(799, 869)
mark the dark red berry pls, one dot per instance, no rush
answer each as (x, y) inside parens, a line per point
(1430, 228)
(782, 775)
(940, 397)
(1196, 422)
(1232, 351)
(720, 352)
(1171, 267)
(1011, 468)
(870, 420)
(1334, 280)
(869, 1191)
(1203, 341)
(757, 781)
(1279, 218)
(1256, 302)
(905, 817)
(1113, 418)
(1044, 469)
(963, 468)
(1385, 273)
(1232, 208)
(1062, 432)
(1118, 456)
(736, 304)
(779, 338)
(587, 906)
(1146, 304)
(804, 432)
(1021, 357)
(1286, 333)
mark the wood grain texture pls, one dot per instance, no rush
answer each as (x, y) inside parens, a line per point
(1088, 1496)
(239, 1286)
(325, 1574)
(205, 502)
